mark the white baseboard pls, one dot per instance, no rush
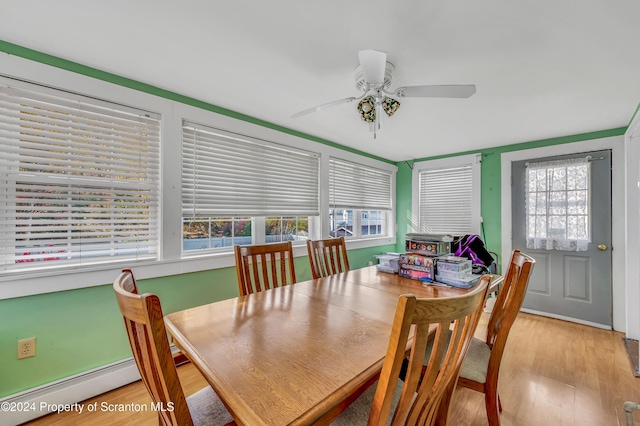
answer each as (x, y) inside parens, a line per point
(561, 317)
(68, 390)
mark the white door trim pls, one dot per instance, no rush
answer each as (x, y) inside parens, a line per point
(632, 149)
(616, 145)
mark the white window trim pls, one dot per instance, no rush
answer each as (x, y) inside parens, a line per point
(172, 113)
(443, 163)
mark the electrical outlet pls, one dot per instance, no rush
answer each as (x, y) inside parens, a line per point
(26, 348)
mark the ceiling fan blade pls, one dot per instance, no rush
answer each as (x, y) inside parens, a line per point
(323, 106)
(441, 91)
(372, 64)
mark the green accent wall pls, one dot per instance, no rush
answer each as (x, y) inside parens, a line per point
(490, 175)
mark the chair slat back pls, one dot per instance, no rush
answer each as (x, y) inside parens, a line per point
(262, 267)
(327, 257)
(145, 327)
(462, 313)
(509, 301)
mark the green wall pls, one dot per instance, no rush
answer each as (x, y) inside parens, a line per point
(78, 330)
(490, 176)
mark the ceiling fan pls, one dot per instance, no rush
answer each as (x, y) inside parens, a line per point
(373, 77)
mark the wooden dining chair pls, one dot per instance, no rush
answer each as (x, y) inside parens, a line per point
(132, 287)
(261, 267)
(417, 400)
(144, 322)
(481, 367)
(327, 257)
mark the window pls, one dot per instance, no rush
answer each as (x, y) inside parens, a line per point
(341, 223)
(283, 228)
(235, 179)
(557, 205)
(447, 195)
(79, 180)
(372, 222)
(94, 205)
(345, 223)
(211, 233)
(360, 198)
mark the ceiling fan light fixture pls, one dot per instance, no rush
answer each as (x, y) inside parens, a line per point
(367, 110)
(390, 105)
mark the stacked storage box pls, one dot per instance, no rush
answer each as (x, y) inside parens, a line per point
(419, 263)
(388, 262)
(455, 271)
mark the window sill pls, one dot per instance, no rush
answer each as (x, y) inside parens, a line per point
(50, 281)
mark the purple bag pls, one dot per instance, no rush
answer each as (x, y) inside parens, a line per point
(472, 247)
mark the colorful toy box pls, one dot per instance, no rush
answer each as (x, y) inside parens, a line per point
(416, 266)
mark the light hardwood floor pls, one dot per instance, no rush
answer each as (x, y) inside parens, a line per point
(553, 373)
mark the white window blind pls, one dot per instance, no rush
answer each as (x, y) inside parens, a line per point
(446, 200)
(79, 180)
(225, 174)
(354, 186)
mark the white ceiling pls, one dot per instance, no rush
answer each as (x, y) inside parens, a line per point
(542, 68)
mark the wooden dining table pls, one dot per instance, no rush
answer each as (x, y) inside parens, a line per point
(293, 355)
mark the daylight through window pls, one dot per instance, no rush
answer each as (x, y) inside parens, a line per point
(80, 180)
(557, 205)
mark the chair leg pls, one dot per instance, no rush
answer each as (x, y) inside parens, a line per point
(442, 415)
(491, 402)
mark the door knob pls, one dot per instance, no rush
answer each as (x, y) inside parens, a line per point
(602, 247)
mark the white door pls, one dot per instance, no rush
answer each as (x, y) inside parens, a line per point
(564, 222)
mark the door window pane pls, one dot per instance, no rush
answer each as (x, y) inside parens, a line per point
(557, 206)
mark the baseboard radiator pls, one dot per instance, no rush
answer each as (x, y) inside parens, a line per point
(71, 389)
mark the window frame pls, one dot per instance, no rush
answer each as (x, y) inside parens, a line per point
(294, 171)
(449, 163)
(361, 170)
